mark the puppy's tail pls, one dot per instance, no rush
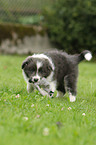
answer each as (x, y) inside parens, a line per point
(84, 55)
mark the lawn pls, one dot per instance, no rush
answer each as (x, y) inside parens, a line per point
(27, 119)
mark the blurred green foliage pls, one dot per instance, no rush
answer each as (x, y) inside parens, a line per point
(72, 24)
(22, 11)
(35, 19)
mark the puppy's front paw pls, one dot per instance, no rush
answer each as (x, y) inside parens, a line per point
(51, 93)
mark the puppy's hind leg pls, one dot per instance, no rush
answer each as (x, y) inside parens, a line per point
(71, 86)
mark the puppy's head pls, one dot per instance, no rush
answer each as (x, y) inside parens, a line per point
(34, 69)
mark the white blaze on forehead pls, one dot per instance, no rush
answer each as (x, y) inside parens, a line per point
(39, 64)
(43, 56)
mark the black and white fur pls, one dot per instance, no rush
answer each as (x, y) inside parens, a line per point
(52, 71)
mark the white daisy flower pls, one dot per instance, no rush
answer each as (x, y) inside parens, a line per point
(83, 114)
(62, 108)
(32, 105)
(69, 108)
(38, 116)
(46, 131)
(47, 105)
(17, 96)
(26, 118)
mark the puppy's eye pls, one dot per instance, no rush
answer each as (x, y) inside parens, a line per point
(31, 71)
(41, 70)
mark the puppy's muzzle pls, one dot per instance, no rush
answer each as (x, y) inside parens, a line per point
(34, 80)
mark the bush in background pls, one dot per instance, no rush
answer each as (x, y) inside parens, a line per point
(71, 24)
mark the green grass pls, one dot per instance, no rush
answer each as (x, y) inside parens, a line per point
(74, 129)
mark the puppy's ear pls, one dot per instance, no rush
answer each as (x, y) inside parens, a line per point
(24, 64)
(27, 61)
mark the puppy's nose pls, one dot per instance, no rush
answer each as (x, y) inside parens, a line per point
(35, 80)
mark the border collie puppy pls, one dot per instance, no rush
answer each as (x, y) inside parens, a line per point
(54, 70)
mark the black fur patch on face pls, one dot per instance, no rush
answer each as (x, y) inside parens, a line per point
(45, 69)
(30, 70)
(29, 67)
